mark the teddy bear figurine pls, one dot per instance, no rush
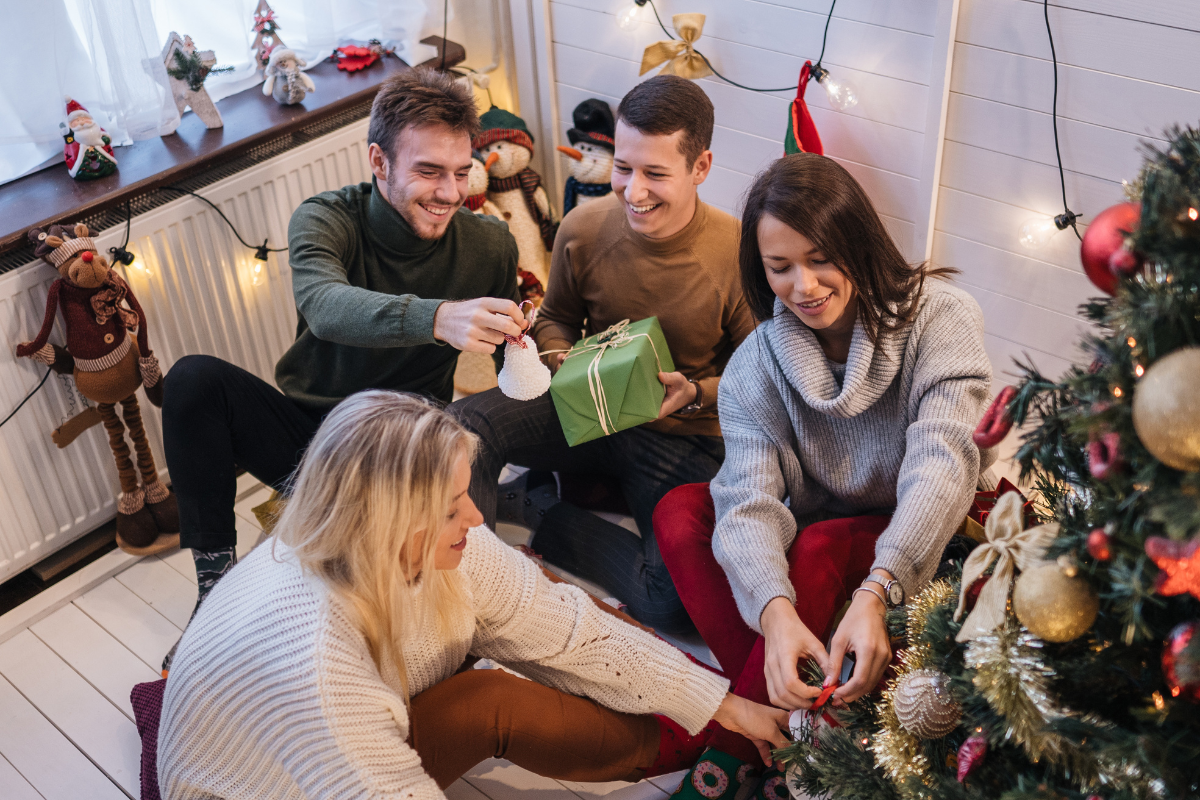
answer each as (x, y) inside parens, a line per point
(109, 363)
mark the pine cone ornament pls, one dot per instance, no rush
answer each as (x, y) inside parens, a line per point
(924, 705)
(524, 376)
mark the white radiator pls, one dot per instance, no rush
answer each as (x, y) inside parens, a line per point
(202, 291)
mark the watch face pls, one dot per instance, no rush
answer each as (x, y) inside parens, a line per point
(895, 593)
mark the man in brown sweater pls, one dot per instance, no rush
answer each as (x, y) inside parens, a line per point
(650, 249)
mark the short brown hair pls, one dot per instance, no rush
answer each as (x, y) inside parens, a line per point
(668, 103)
(816, 197)
(420, 96)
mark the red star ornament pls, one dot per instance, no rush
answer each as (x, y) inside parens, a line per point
(1180, 565)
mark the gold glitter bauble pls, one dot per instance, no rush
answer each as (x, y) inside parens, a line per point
(1052, 606)
(924, 705)
(1166, 409)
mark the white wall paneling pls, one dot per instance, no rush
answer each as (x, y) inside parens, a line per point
(886, 49)
(952, 135)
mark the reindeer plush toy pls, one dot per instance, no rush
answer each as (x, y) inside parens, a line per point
(109, 364)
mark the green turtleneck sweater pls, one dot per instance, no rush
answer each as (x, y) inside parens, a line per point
(367, 288)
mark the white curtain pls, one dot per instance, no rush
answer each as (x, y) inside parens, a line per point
(102, 53)
(107, 55)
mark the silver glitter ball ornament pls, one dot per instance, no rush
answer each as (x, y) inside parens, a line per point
(924, 705)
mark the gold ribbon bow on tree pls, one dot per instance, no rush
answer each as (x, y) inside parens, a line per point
(680, 55)
(1011, 546)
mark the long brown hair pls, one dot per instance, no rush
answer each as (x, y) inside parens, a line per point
(818, 198)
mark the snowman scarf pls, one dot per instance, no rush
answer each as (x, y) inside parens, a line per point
(528, 182)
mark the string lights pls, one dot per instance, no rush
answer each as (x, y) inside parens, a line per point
(842, 94)
(1035, 233)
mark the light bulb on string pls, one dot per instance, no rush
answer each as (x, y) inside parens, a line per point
(630, 16)
(842, 94)
(1037, 232)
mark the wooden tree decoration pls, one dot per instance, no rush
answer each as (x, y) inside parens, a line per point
(187, 68)
(266, 36)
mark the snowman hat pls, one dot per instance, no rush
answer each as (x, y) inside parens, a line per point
(75, 110)
(498, 125)
(593, 124)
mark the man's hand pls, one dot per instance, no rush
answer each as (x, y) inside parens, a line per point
(788, 642)
(479, 325)
(680, 392)
(863, 632)
(760, 724)
(554, 361)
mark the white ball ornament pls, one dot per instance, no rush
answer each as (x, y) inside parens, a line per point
(924, 705)
(524, 376)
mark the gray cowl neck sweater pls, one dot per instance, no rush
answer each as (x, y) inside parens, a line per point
(893, 438)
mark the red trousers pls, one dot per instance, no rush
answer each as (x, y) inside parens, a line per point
(827, 562)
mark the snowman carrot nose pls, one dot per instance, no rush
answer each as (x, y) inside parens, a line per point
(570, 152)
(492, 158)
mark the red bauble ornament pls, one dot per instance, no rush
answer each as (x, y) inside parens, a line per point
(1181, 661)
(1180, 565)
(1104, 456)
(1104, 237)
(1124, 262)
(973, 592)
(971, 755)
(1098, 545)
(997, 422)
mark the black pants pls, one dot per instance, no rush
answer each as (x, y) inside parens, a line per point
(648, 465)
(217, 417)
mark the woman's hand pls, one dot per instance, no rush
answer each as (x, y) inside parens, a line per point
(864, 633)
(788, 642)
(760, 724)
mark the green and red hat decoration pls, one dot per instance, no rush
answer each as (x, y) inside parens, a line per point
(802, 136)
(497, 125)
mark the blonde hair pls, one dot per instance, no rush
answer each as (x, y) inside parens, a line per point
(366, 505)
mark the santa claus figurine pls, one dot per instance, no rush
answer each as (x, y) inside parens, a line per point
(88, 149)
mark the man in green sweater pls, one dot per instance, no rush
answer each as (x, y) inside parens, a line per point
(392, 280)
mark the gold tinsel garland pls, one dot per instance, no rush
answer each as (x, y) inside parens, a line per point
(898, 752)
(1014, 679)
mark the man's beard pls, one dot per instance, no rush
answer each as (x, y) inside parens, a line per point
(89, 135)
(404, 207)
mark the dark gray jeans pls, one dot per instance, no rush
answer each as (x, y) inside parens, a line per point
(648, 465)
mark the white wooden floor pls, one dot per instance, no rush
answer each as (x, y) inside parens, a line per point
(66, 723)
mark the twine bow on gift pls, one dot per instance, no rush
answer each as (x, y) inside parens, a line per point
(1010, 545)
(616, 335)
(680, 55)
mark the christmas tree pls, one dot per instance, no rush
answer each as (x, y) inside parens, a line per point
(1082, 681)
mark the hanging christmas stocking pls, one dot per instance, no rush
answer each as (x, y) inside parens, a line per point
(802, 136)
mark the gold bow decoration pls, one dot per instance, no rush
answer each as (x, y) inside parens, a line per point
(1010, 545)
(679, 54)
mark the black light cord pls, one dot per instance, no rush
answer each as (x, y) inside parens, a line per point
(120, 253)
(445, 29)
(825, 35)
(260, 251)
(828, 17)
(1068, 217)
(41, 383)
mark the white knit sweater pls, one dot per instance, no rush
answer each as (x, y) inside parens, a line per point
(893, 436)
(273, 694)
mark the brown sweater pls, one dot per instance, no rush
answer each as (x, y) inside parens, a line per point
(603, 272)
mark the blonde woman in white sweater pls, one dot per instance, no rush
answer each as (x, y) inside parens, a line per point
(328, 664)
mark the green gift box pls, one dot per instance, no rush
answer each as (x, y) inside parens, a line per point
(609, 381)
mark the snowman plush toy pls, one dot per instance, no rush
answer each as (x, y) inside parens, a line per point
(590, 153)
(516, 189)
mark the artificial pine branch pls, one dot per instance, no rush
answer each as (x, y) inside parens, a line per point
(190, 69)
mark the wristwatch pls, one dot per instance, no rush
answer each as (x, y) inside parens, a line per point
(696, 404)
(893, 592)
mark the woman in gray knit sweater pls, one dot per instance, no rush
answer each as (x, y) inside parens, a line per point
(847, 418)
